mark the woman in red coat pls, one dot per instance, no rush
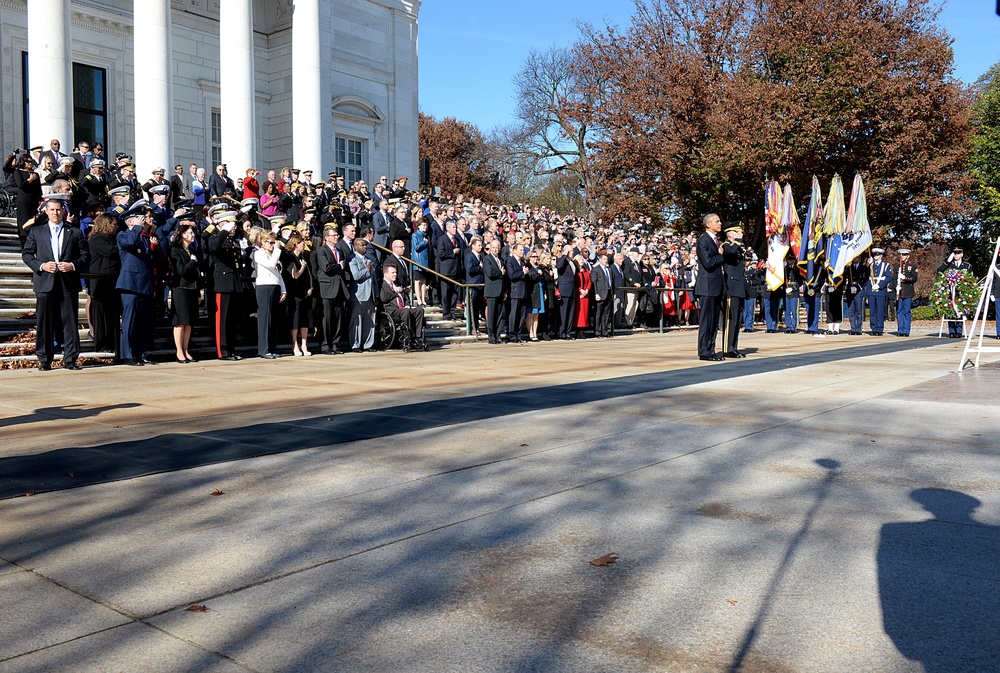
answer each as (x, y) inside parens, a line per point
(583, 299)
(251, 188)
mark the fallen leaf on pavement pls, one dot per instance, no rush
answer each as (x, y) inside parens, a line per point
(605, 560)
(731, 601)
(198, 608)
(71, 474)
(218, 492)
(30, 493)
(524, 445)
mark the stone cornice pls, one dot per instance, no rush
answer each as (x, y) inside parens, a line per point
(101, 24)
(213, 87)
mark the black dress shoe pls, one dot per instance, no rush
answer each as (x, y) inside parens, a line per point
(180, 361)
(739, 354)
(711, 358)
(232, 357)
(45, 367)
(270, 356)
(189, 360)
(734, 355)
(72, 366)
(135, 363)
(147, 361)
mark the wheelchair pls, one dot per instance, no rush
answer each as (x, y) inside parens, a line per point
(390, 333)
(8, 206)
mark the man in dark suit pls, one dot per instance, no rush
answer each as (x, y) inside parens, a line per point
(395, 304)
(396, 260)
(618, 280)
(604, 296)
(381, 220)
(494, 275)
(474, 275)
(81, 159)
(177, 189)
(448, 251)
(220, 182)
(736, 289)
(515, 276)
(55, 152)
(135, 285)
(566, 284)
(709, 287)
(56, 253)
(331, 270)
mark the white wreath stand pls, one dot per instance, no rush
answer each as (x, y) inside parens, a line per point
(978, 331)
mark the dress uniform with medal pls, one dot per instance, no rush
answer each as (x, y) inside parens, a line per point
(877, 290)
(906, 278)
(955, 262)
(734, 266)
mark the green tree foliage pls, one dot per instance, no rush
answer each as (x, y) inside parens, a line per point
(986, 151)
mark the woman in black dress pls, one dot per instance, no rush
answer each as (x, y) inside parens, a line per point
(29, 193)
(105, 302)
(185, 268)
(298, 287)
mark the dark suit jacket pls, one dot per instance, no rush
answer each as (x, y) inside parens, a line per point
(603, 284)
(710, 279)
(494, 277)
(136, 274)
(217, 185)
(226, 262)
(402, 273)
(566, 281)
(38, 250)
(330, 275)
(618, 280)
(515, 276)
(448, 261)
(474, 268)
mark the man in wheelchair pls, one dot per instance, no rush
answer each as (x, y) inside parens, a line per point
(410, 318)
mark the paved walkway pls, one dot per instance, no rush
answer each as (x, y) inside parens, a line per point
(825, 505)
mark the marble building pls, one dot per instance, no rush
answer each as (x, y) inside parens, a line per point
(316, 84)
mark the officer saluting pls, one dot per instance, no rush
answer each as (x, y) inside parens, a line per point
(955, 263)
(877, 290)
(906, 277)
(734, 264)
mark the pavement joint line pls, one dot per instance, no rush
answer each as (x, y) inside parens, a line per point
(63, 642)
(171, 634)
(450, 524)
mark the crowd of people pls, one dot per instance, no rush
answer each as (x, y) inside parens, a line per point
(306, 263)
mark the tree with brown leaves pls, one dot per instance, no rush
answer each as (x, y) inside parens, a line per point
(461, 159)
(701, 99)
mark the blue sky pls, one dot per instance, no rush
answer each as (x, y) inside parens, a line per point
(471, 49)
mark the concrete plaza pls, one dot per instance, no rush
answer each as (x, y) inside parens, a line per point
(824, 505)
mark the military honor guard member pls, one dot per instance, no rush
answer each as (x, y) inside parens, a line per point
(736, 289)
(792, 285)
(227, 263)
(906, 278)
(135, 285)
(55, 253)
(855, 278)
(877, 290)
(956, 262)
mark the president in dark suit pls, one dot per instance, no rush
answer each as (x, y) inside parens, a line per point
(566, 285)
(514, 266)
(709, 287)
(56, 253)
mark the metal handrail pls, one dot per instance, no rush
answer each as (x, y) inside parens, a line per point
(468, 287)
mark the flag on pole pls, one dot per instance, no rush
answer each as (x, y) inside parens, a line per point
(857, 234)
(835, 226)
(812, 250)
(777, 237)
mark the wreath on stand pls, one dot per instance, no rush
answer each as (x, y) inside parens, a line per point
(955, 294)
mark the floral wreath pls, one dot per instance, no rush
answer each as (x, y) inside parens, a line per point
(955, 293)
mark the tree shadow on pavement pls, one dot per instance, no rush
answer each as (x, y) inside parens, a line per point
(938, 585)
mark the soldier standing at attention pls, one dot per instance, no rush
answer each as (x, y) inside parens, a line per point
(906, 277)
(736, 289)
(876, 290)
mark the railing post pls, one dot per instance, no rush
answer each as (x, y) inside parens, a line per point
(468, 311)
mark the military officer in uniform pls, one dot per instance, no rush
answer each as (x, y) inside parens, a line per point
(120, 200)
(126, 176)
(811, 295)
(876, 291)
(955, 262)
(855, 279)
(792, 285)
(135, 285)
(227, 260)
(94, 183)
(906, 277)
(834, 303)
(734, 266)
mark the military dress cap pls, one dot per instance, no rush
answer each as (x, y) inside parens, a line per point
(120, 155)
(36, 148)
(332, 175)
(160, 171)
(120, 190)
(250, 202)
(98, 163)
(226, 216)
(904, 251)
(61, 198)
(183, 204)
(137, 209)
(307, 172)
(128, 167)
(160, 189)
(277, 220)
(126, 157)
(733, 227)
(878, 251)
(66, 161)
(957, 251)
(217, 208)
(295, 170)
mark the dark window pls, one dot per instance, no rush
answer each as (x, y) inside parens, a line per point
(90, 101)
(90, 121)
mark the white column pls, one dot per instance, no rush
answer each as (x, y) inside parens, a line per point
(50, 74)
(236, 80)
(154, 100)
(307, 90)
